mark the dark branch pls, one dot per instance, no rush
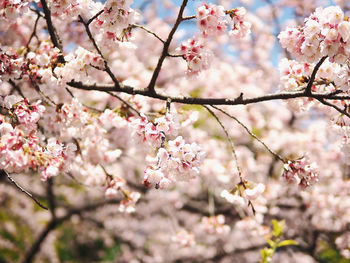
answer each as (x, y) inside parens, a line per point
(210, 101)
(52, 31)
(151, 85)
(4, 173)
(313, 75)
(107, 69)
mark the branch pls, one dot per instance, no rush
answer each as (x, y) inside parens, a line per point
(251, 133)
(150, 32)
(51, 197)
(242, 182)
(334, 106)
(35, 248)
(152, 83)
(94, 17)
(125, 102)
(209, 101)
(313, 75)
(107, 69)
(52, 31)
(4, 173)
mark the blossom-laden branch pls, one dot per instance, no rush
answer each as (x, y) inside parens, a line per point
(52, 31)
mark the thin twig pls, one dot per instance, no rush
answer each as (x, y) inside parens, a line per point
(107, 68)
(242, 182)
(149, 31)
(250, 133)
(335, 107)
(230, 141)
(124, 101)
(4, 173)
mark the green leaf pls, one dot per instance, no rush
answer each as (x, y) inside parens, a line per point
(271, 242)
(287, 242)
(277, 227)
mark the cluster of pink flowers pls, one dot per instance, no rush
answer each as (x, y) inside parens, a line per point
(154, 132)
(10, 66)
(211, 21)
(179, 161)
(115, 19)
(198, 57)
(11, 9)
(183, 238)
(127, 205)
(325, 33)
(20, 146)
(215, 225)
(240, 195)
(300, 172)
(79, 66)
(116, 185)
(343, 244)
(67, 8)
(240, 27)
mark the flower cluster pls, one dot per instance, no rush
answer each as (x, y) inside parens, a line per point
(300, 172)
(115, 19)
(242, 194)
(198, 57)
(20, 146)
(79, 66)
(214, 225)
(73, 120)
(11, 9)
(240, 27)
(154, 132)
(210, 19)
(179, 161)
(325, 33)
(10, 66)
(114, 186)
(128, 203)
(343, 244)
(184, 238)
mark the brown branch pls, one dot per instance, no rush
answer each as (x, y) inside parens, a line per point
(94, 17)
(34, 32)
(4, 173)
(149, 31)
(334, 106)
(313, 75)
(188, 18)
(54, 222)
(152, 83)
(107, 68)
(51, 197)
(125, 102)
(52, 31)
(210, 101)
